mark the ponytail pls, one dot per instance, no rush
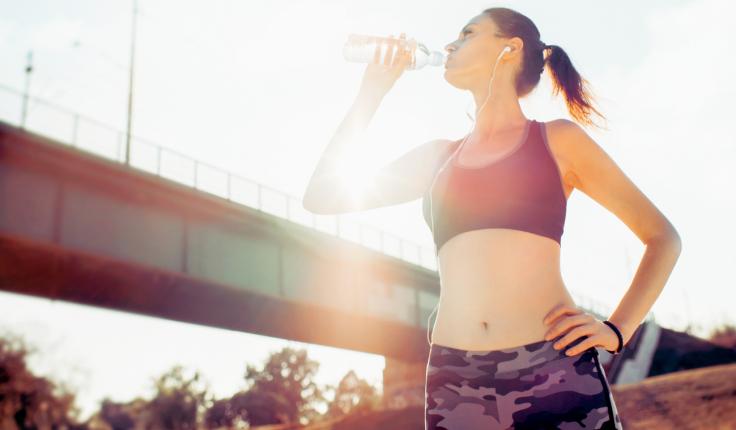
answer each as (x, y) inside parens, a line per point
(574, 87)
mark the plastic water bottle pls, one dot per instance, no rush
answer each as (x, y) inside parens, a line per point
(362, 49)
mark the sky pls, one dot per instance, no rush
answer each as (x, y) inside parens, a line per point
(258, 88)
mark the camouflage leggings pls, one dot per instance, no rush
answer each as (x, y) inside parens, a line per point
(532, 386)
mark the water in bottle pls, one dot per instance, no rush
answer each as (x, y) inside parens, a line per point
(362, 49)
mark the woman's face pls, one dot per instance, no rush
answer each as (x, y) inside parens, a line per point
(471, 57)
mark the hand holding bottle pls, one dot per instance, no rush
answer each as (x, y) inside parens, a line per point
(381, 74)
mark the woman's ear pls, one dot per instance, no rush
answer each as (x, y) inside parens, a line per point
(517, 46)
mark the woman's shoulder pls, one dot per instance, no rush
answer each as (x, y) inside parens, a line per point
(560, 134)
(560, 126)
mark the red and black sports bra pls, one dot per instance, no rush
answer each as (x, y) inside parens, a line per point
(522, 190)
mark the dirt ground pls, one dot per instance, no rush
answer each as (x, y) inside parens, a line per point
(699, 399)
(702, 398)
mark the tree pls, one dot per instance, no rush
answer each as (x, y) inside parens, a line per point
(121, 416)
(27, 400)
(179, 402)
(220, 414)
(724, 336)
(283, 391)
(353, 395)
(258, 407)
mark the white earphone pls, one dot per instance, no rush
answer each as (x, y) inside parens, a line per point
(431, 211)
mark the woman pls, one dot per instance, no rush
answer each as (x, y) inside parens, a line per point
(510, 349)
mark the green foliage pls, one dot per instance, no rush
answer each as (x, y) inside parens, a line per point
(725, 336)
(288, 374)
(282, 391)
(27, 400)
(353, 395)
(179, 401)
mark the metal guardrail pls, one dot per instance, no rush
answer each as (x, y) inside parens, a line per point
(68, 127)
(63, 125)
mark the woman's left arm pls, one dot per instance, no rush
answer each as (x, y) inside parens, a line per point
(592, 170)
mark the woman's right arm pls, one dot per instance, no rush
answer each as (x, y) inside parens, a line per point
(402, 180)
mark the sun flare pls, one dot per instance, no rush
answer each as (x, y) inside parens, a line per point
(356, 176)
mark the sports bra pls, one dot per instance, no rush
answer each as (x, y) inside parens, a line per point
(521, 190)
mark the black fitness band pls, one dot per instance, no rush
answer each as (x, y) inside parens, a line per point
(618, 333)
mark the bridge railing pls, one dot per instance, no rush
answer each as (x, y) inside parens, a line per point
(68, 127)
(71, 128)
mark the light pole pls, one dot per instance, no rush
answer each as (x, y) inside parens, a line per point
(24, 110)
(130, 83)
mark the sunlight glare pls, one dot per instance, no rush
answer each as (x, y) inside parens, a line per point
(355, 177)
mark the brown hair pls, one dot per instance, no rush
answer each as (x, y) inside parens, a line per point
(564, 76)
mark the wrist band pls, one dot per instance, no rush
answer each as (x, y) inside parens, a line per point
(618, 334)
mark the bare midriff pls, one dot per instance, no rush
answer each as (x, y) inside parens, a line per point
(497, 285)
